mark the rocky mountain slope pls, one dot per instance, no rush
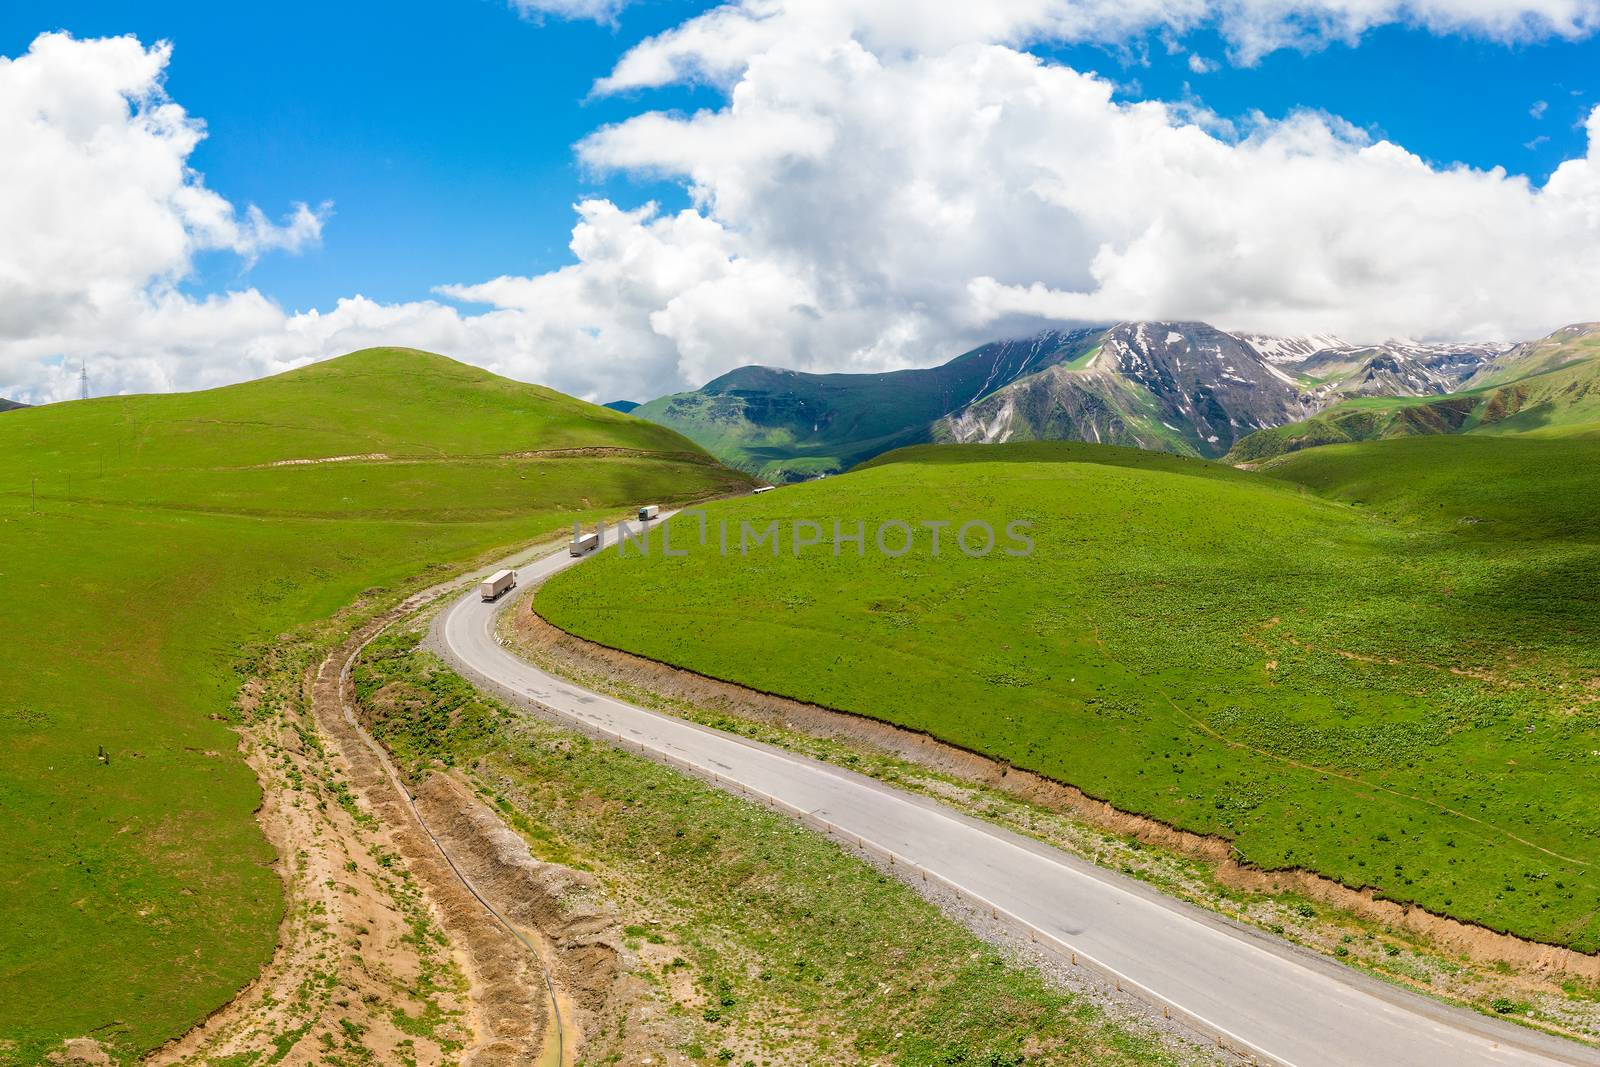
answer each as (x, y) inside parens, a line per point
(1395, 368)
(1184, 387)
(1174, 387)
(1551, 384)
(786, 425)
(1188, 387)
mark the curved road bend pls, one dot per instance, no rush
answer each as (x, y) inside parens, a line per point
(1263, 997)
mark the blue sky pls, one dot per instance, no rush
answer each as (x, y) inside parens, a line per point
(443, 139)
(1449, 99)
(443, 133)
(839, 186)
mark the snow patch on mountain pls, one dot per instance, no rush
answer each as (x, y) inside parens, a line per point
(1188, 386)
(1291, 349)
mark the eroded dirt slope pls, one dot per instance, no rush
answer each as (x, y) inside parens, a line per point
(385, 955)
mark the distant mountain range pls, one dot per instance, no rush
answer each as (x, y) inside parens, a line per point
(9, 405)
(1182, 387)
(1552, 385)
(785, 425)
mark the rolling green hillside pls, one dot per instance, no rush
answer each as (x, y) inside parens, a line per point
(149, 546)
(785, 425)
(1515, 490)
(1551, 385)
(1389, 680)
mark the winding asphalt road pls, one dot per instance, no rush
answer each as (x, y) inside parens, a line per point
(1260, 997)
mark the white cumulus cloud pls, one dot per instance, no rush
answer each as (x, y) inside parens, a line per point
(718, 45)
(100, 214)
(875, 190)
(596, 10)
(917, 204)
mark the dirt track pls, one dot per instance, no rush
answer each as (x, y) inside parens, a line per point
(368, 900)
(383, 950)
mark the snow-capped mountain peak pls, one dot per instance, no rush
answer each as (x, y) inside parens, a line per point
(1291, 350)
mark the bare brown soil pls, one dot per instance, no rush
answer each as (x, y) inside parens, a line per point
(544, 453)
(602, 450)
(85, 1051)
(366, 456)
(1446, 935)
(507, 1002)
(606, 1008)
(384, 954)
(376, 949)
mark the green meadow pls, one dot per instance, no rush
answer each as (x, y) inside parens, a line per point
(149, 547)
(815, 955)
(1379, 662)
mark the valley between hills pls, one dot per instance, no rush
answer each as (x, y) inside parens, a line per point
(1340, 688)
(799, 533)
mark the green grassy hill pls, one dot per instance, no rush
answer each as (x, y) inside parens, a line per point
(149, 546)
(1551, 385)
(1533, 491)
(1389, 680)
(786, 425)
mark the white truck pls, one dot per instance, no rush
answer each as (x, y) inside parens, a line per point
(648, 512)
(584, 543)
(497, 584)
